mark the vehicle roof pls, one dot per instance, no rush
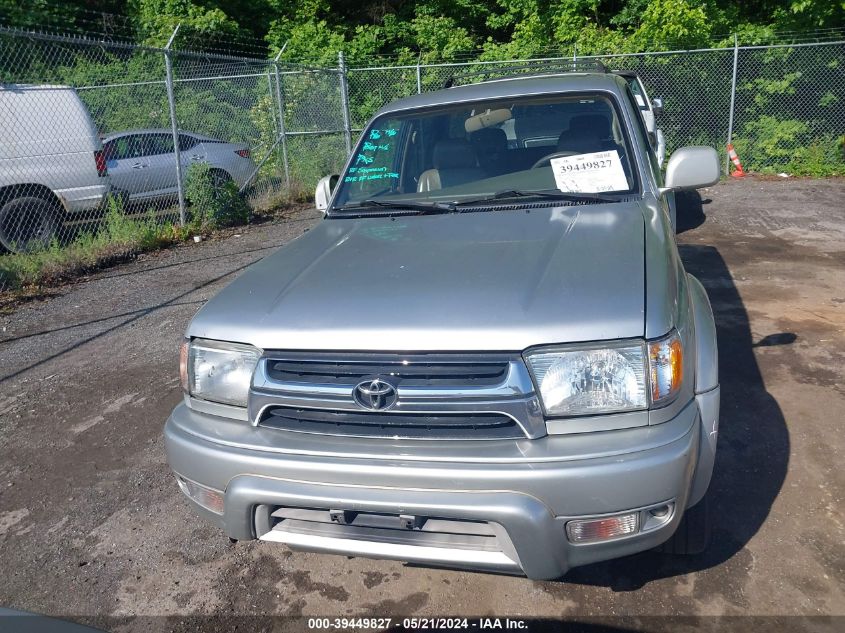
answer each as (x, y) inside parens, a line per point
(155, 130)
(531, 85)
(8, 86)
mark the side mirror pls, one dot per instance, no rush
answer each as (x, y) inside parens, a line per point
(324, 192)
(692, 167)
(657, 106)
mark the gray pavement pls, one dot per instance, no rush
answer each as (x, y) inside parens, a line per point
(92, 525)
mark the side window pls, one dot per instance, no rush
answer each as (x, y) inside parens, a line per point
(646, 139)
(186, 142)
(145, 145)
(123, 148)
(157, 144)
(639, 97)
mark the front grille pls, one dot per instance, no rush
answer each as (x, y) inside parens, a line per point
(460, 396)
(409, 370)
(477, 426)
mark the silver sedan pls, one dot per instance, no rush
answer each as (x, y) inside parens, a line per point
(142, 163)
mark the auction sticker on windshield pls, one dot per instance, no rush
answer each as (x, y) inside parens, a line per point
(589, 173)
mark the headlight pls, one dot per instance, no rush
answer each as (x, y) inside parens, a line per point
(218, 371)
(627, 376)
(581, 381)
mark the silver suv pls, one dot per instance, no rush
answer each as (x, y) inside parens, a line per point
(487, 355)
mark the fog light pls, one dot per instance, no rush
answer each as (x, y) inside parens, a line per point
(590, 530)
(208, 498)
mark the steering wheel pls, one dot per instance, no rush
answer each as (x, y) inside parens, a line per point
(548, 157)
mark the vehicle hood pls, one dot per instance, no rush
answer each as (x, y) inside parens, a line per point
(498, 280)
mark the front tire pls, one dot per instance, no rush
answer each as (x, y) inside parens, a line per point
(27, 223)
(219, 178)
(693, 533)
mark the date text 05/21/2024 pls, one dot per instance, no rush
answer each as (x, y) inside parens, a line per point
(417, 624)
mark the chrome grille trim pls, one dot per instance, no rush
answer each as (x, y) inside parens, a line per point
(417, 370)
(483, 426)
(511, 395)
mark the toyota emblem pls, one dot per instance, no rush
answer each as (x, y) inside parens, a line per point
(375, 394)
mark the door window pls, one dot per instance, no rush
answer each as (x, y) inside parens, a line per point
(123, 147)
(186, 142)
(639, 93)
(158, 144)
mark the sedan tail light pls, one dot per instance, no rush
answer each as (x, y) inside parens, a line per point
(243, 153)
(100, 160)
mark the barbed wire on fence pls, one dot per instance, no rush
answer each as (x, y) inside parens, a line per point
(88, 124)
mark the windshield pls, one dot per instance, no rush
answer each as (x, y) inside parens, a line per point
(564, 144)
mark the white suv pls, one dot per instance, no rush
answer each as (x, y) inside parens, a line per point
(51, 162)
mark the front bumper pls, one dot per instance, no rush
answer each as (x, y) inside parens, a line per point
(527, 492)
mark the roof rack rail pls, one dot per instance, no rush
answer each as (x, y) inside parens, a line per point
(624, 72)
(572, 66)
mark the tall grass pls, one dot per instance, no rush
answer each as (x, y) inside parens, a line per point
(117, 238)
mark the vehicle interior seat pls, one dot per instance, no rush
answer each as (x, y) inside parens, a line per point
(454, 163)
(491, 147)
(587, 133)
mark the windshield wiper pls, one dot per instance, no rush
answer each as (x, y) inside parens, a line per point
(549, 194)
(422, 207)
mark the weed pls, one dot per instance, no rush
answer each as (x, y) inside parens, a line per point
(215, 199)
(118, 237)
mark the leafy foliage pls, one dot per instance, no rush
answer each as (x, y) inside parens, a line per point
(215, 203)
(444, 30)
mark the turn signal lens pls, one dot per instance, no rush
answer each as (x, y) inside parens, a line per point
(666, 367)
(183, 366)
(208, 498)
(592, 530)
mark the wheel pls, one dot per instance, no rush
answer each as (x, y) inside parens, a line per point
(548, 157)
(693, 533)
(27, 222)
(219, 178)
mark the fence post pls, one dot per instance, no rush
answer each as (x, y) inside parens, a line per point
(344, 98)
(733, 101)
(168, 66)
(419, 74)
(282, 133)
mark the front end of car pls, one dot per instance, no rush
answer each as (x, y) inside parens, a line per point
(529, 462)
(489, 364)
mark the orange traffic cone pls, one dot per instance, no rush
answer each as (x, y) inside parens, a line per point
(739, 173)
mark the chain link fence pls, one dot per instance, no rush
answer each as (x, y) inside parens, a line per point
(787, 114)
(103, 138)
(100, 138)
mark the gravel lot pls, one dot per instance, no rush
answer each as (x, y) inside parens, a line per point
(93, 528)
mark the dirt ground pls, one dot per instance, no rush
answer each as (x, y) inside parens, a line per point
(93, 527)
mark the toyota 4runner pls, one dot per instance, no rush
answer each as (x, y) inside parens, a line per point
(487, 354)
